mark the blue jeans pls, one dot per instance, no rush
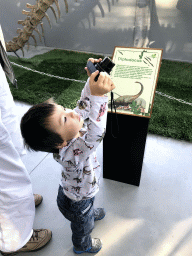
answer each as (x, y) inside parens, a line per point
(81, 215)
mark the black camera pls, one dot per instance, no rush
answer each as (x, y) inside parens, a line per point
(105, 65)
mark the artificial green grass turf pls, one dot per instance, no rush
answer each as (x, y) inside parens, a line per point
(169, 118)
(35, 88)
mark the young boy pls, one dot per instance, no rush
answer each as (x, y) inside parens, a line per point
(51, 128)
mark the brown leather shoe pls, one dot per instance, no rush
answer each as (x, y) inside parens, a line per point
(38, 240)
(38, 199)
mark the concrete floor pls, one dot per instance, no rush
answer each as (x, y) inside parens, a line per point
(151, 220)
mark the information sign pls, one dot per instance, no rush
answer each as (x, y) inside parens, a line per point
(135, 76)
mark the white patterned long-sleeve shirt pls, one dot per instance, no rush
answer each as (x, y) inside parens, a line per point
(80, 168)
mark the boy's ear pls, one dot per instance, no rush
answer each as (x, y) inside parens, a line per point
(64, 144)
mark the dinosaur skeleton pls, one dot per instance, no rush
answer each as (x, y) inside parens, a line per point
(34, 18)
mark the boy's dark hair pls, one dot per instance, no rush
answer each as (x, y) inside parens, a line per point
(34, 129)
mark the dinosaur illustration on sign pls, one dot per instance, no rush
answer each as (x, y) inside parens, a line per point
(125, 100)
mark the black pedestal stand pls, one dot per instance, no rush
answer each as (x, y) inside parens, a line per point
(123, 156)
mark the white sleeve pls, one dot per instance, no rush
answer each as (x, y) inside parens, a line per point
(83, 105)
(79, 149)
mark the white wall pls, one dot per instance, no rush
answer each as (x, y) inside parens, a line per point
(167, 24)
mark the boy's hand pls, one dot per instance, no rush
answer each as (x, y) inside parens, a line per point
(93, 61)
(103, 85)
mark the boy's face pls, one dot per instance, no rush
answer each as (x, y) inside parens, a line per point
(66, 122)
